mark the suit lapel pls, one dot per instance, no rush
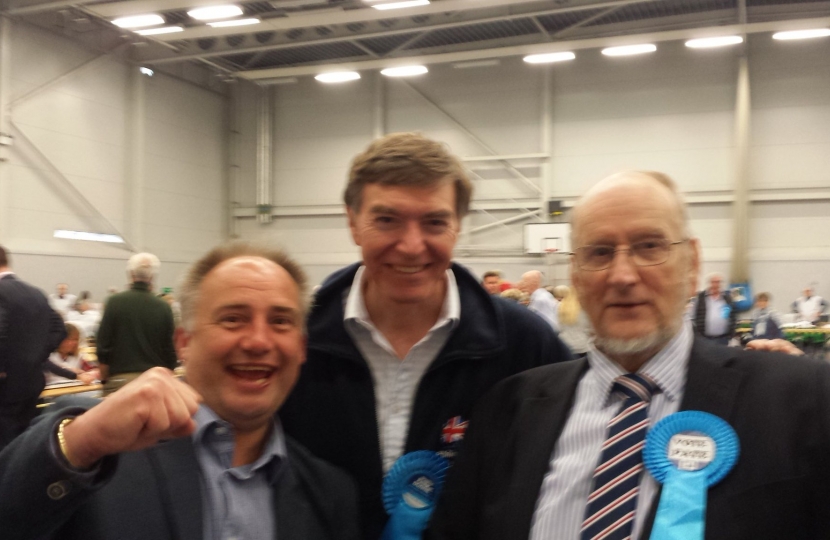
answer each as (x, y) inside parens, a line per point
(287, 504)
(539, 424)
(179, 479)
(711, 386)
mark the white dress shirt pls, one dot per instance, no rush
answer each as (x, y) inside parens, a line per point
(560, 508)
(545, 305)
(395, 380)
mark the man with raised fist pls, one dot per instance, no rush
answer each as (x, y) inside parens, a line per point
(201, 458)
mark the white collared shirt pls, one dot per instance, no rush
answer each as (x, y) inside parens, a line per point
(560, 508)
(395, 380)
(717, 322)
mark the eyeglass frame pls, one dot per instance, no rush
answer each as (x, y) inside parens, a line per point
(669, 247)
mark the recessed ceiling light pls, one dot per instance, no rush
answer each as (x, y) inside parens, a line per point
(547, 58)
(708, 43)
(404, 71)
(234, 22)
(338, 76)
(401, 5)
(627, 50)
(802, 34)
(146, 71)
(211, 13)
(162, 30)
(138, 21)
(92, 237)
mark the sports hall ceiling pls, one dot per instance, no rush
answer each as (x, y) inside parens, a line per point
(304, 37)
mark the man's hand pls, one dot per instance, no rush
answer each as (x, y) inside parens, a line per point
(153, 407)
(774, 345)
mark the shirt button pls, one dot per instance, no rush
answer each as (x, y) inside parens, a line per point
(57, 490)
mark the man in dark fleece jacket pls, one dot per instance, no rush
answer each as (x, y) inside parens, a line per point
(403, 344)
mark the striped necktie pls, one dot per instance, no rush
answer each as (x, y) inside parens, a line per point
(609, 514)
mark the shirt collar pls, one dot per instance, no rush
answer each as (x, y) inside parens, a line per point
(7, 273)
(355, 308)
(216, 435)
(667, 368)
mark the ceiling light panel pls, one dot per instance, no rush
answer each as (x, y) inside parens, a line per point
(404, 71)
(628, 50)
(802, 34)
(139, 21)
(548, 58)
(401, 5)
(157, 31)
(212, 13)
(711, 42)
(338, 76)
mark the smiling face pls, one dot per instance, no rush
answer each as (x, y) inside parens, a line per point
(406, 235)
(244, 346)
(635, 310)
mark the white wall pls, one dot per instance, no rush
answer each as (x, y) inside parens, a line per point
(150, 165)
(672, 111)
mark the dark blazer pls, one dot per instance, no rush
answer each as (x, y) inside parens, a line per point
(779, 406)
(29, 331)
(154, 494)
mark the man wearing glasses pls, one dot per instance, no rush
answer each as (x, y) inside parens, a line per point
(541, 444)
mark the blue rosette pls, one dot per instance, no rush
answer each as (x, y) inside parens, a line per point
(687, 452)
(409, 493)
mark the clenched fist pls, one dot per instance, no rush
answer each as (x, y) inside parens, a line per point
(153, 407)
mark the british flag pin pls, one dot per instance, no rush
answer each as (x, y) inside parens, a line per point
(453, 430)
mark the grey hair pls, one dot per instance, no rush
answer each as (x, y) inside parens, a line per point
(143, 267)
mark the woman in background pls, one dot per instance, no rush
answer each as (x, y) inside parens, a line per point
(574, 327)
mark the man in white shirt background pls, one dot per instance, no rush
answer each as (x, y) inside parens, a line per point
(809, 307)
(542, 302)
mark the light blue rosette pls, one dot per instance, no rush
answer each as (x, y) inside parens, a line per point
(410, 491)
(687, 452)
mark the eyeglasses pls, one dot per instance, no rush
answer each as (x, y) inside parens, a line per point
(643, 253)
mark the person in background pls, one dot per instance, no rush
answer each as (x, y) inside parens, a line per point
(766, 324)
(542, 302)
(136, 331)
(29, 331)
(491, 281)
(67, 363)
(714, 312)
(85, 316)
(515, 295)
(61, 301)
(574, 326)
(809, 307)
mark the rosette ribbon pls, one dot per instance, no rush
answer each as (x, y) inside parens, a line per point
(410, 491)
(686, 475)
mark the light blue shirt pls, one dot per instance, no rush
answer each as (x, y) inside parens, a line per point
(237, 502)
(560, 508)
(396, 381)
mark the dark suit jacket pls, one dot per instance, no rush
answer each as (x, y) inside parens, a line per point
(154, 494)
(29, 331)
(779, 406)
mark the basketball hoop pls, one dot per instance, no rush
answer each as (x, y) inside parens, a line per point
(550, 255)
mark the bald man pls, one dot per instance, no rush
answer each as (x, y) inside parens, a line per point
(542, 302)
(541, 445)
